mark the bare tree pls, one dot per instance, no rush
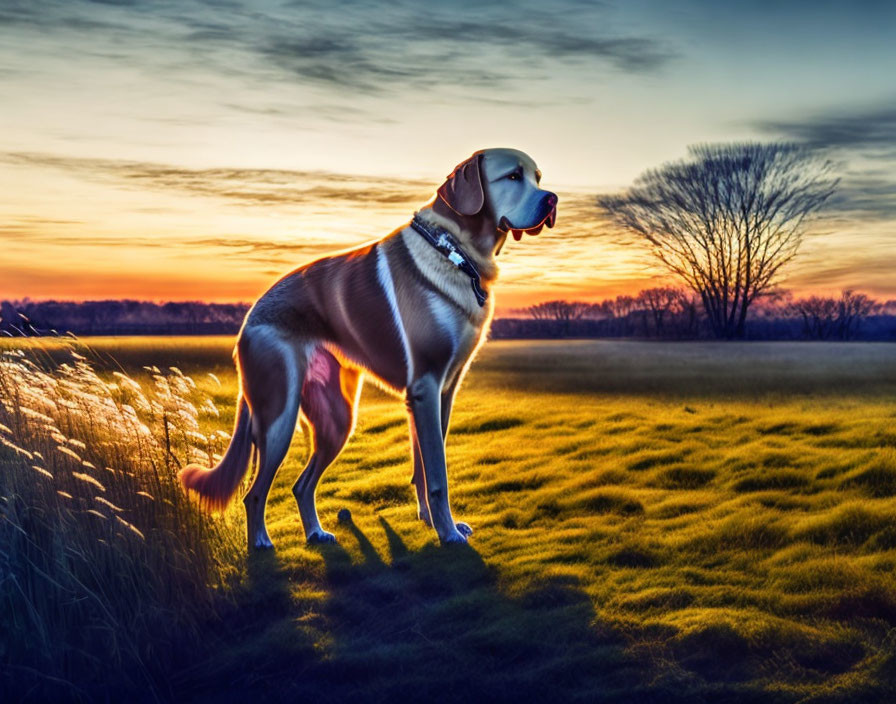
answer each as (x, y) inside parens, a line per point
(619, 310)
(852, 309)
(624, 306)
(562, 311)
(558, 310)
(661, 303)
(688, 313)
(726, 220)
(818, 315)
(842, 317)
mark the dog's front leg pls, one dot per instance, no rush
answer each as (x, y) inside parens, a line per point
(424, 402)
(447, 402)
(419, 480)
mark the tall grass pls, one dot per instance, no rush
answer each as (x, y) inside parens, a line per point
(105, 564)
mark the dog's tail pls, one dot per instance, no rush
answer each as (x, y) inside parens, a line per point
(216, 486)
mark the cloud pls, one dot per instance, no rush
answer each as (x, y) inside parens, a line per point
(263, 251)
(243, 186)
(22, 239)
(865, 142)
(77, 16)
(376, 48)
(864, 197)
(370, 48)
(872, 130)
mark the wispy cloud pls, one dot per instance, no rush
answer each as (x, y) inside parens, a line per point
(865, 196)
(454, 43)
(872, 130)
(245, 186)
(865, 142)
(366, 47)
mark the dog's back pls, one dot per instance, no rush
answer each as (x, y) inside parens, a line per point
(345, 302)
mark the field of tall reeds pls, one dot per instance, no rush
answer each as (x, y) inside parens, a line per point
(109, 575)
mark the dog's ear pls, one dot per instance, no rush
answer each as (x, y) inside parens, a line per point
(462, 190)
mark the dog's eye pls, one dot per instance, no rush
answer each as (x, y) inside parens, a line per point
(514, 176)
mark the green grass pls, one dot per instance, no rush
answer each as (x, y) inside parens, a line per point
(654, 522)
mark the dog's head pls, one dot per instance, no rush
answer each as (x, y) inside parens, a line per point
(502, 185)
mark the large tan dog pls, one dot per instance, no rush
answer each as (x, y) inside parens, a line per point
(409, 310)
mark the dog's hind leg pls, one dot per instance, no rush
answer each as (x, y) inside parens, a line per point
(273, 370)
(329, 395)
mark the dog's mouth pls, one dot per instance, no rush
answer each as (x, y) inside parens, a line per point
(517, 232)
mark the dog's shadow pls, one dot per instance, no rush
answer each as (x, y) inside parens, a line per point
(432, 624)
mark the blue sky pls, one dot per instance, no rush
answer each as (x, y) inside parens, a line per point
(258, 134)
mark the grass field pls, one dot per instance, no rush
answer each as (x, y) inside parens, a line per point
(653, 522)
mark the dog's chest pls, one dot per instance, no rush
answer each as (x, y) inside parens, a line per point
(439, 314)
(441, 337)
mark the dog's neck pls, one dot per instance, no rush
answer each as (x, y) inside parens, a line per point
(477, 234)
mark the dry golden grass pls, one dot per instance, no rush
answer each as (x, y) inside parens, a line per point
(654, 522)
(109, 574)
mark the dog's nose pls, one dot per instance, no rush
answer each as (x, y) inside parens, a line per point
(550, 204)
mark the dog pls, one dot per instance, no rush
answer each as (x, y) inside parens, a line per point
(408, 311)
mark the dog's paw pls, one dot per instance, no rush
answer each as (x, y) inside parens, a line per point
(453, 537)
(262, 542)
(464, 529)
(319, 537)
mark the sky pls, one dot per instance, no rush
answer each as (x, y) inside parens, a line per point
(197, 150)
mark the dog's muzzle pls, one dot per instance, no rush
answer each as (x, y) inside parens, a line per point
(548, 206)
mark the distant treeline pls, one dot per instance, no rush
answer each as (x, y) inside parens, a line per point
(120, 318)
(658, 313)
(672, 313)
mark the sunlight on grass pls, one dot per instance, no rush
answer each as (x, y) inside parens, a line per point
(655, 521)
